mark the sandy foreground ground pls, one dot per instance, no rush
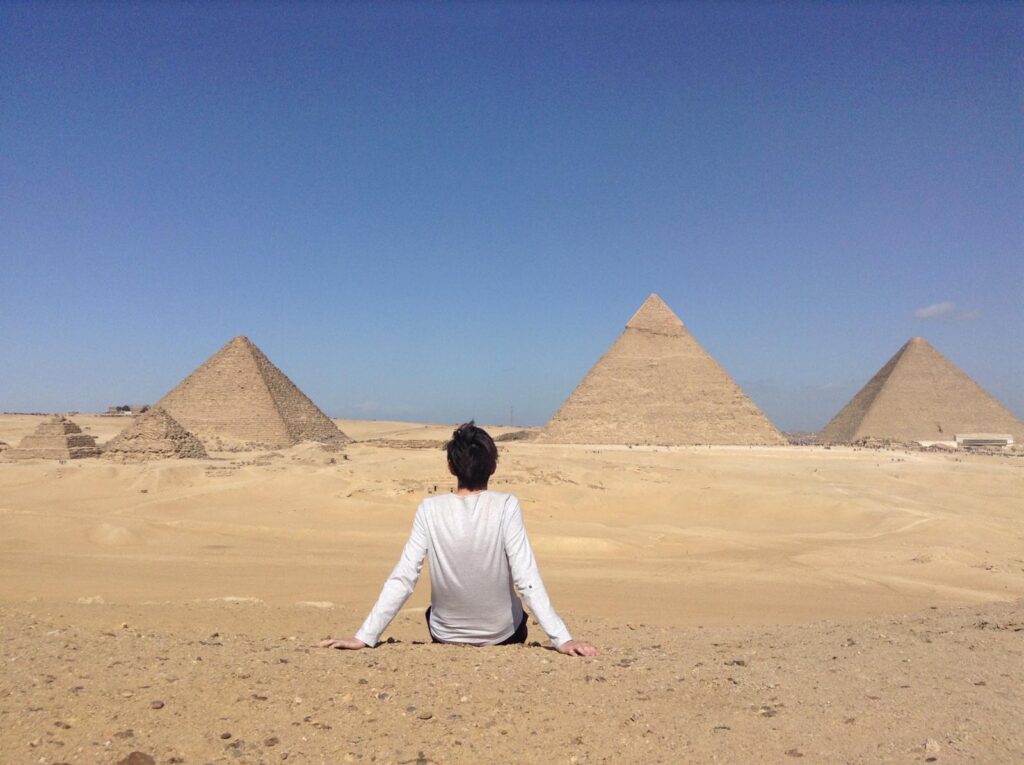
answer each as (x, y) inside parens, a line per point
(753, 604)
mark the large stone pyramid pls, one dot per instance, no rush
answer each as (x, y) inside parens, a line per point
(57, 438)
(154, 435)
(239, 397)
(920, 395)
(657, 385)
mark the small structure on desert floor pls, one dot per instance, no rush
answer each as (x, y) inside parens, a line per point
(920, 395)
(239, 396)
(57, 438)
(984, 439)
(657, 385)
(154, 435)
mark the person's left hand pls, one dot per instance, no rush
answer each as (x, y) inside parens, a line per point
(578, 648)
(349, 644)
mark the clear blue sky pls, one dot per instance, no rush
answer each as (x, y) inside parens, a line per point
(433, 212)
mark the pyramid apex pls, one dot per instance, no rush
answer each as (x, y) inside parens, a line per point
(241, 343)
(655, 316)
(918, 343)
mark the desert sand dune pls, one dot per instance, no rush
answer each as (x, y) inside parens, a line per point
(675, 560)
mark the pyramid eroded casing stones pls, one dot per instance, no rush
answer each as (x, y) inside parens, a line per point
(920, 395)
(657, 385)
(154, 435)
(239, 396)
(57, 438)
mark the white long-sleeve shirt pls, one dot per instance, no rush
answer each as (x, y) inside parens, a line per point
(479, 556)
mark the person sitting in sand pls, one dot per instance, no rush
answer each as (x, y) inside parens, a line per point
(479, 556)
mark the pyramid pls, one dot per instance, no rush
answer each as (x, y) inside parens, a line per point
(657, 385)
(239, 396)
(920, 395)
(57, 438)
(154, 435)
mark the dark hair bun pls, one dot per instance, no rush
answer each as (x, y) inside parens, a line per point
(468, 434)
(465, 431)
(472, 455)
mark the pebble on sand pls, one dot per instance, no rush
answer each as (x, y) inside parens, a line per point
(157, 704)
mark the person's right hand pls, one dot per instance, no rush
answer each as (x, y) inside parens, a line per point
(349, 644)
(578, 648)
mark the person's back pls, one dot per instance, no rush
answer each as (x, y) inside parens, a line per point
(479, 555)
(472, 597)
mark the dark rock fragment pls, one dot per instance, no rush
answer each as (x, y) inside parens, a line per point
(137, 758)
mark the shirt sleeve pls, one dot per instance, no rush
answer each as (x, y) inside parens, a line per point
(526, 575)
(399, 585)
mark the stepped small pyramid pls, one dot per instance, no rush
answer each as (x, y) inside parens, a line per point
(920, 395)
(154, 435)
(239, 396)
(57, 438)
(657, 385)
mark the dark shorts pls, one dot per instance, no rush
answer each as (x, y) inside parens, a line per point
(519, 636)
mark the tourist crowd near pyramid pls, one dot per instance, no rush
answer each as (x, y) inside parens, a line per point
(657, 385)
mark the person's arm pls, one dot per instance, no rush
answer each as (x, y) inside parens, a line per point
(397, 589)
(526, 577)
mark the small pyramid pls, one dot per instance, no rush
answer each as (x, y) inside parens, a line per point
(57, 438)
(238, 395)
(657, 385)
(920, 395)
(154, 435)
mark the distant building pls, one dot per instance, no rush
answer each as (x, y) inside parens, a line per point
(128, 409)
(984, 439)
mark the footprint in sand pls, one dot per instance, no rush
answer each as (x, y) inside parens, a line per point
(109, 535)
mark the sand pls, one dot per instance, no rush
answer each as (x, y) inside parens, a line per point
(753, 603)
